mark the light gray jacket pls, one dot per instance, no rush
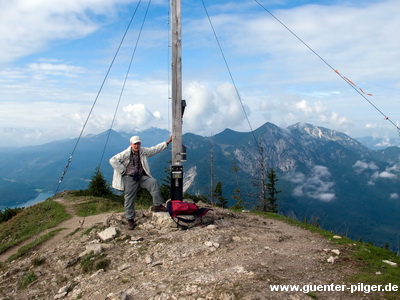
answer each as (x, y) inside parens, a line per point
(121, 160)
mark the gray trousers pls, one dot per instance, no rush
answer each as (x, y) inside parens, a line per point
(131, 188)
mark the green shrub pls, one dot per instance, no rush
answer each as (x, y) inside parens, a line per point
(96, 205)
(98, 185)
(38, 261)
(8, 213)
(91, 262)
(27, 279)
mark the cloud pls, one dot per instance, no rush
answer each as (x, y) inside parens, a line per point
(138, 116)
(286, 63)
(373, 173)
(64, 118)
(394, 168)
(391, 172)
(210, 111)
(295, 109)
(394, 196)
(52, 69)
(56, 51)
(317, 185)
(362, 166)
(385, 142)
(386, 174)
(56, 111)
(36, 23)
(53, 121)
(370, 125)
(324, 28)
(303, 107)
(20, 136)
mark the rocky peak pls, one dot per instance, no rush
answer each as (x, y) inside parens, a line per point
(318, 132)
(325, 134)
(225, 255)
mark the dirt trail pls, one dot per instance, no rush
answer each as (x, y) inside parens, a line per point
(238, 256)
(68, 226)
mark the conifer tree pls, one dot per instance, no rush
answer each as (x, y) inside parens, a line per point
(8, 213)
(217, 193)
(266, 183)
(236, 192)
(98, 186)
(272, 191)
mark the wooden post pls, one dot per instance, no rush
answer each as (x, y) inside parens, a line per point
(176, 68)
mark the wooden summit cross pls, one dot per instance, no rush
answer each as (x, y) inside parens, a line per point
(177, 103)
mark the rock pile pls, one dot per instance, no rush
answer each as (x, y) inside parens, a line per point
(227, 256)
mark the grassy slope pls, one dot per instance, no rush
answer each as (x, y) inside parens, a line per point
(30, 222)
(33, 220)
(365, 256)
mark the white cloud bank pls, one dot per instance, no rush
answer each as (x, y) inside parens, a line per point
(372, 172)
(212, 110)
(28, 26)
(54, 53)
(317, 185)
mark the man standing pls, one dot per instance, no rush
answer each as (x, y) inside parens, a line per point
(132, 170)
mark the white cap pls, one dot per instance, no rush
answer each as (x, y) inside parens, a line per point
(135, 139)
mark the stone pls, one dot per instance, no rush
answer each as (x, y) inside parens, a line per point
(208, 244)
(63, 290)
(227, 296)
(136, 238)
(94, 248)
(109, 234)
(161, 220)
(336, 251)
(122, 295)
(238, 257)
(156, 263)
(211, 227)
(238, 269)
(71, 262)
(60, 296)
(148, 259)
(393, 264)
(331, 259)
(147, 226)
(97, 273)
(211, 244)
(124, 267)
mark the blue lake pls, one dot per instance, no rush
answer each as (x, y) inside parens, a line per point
(41, 197)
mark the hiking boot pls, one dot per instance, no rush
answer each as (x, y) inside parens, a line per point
(158, 208)
(131, 224)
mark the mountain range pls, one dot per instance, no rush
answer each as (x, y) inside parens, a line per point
(325, 176)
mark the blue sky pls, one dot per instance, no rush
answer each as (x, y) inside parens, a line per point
(54, 55)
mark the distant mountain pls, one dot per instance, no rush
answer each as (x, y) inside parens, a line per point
(150, 137)
(325, 176)
(380, 143)
(41, 167)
